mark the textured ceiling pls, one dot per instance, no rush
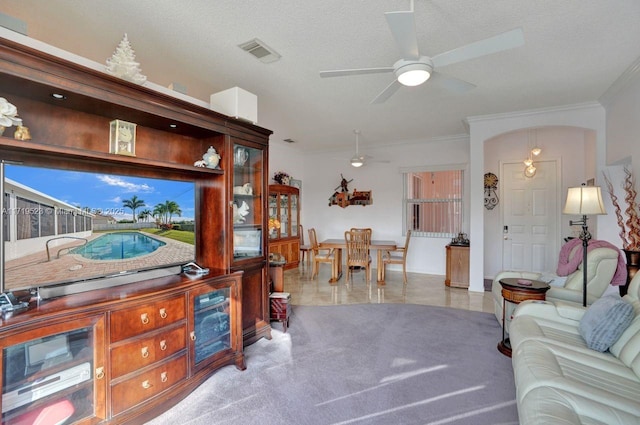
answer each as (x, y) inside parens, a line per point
(574, 50)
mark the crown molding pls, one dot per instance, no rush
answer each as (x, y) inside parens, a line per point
(628, 77)
(530, 112)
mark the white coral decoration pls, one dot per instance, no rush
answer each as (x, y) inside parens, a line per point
(123, 63)
(8, 114)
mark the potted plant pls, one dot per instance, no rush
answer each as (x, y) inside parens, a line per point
(628, 222)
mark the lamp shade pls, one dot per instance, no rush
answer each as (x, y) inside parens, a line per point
(584, 200)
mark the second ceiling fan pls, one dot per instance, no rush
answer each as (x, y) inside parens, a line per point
(413, 69)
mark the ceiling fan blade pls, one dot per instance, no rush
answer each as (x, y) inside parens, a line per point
(387, 93)
(451, 84)
(497, 43)
(361, 71)
(403, 28)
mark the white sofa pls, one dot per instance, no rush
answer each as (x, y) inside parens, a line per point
(560, 380)
(601, 266)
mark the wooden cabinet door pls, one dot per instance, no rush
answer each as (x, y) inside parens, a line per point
(255, 304)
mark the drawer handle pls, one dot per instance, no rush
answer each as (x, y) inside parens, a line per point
(145, 318)
(163, 345)
(100, 373)
(164, 377)
(163, 313)
(193, 336)
(145, 352)
(146, 385)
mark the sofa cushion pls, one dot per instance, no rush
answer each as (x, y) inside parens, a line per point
(604, 321)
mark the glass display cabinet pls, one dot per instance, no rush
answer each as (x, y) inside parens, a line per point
(248, 159)
(247, 202)
(56, 375)
(284, 206)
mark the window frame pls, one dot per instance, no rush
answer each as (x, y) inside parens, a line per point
(409, 201)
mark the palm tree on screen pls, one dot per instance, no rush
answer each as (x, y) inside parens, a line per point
(145, 214)
(133, 204)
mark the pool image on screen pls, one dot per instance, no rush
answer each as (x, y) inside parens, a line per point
(65, 226)
(118, 246)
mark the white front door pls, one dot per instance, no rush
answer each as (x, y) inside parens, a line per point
(531, 235)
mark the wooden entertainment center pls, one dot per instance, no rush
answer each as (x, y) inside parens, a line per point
(124, 354)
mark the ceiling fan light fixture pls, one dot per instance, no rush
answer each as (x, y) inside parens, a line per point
(357, 161)
(413, 73)
(414, 77)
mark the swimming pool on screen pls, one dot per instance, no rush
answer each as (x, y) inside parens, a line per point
(119, 246)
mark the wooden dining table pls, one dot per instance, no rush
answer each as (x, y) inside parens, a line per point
(339, 244)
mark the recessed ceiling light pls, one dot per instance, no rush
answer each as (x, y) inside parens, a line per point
(58, 96)
(173, 125)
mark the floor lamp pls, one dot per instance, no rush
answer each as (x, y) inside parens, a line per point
(584, 200)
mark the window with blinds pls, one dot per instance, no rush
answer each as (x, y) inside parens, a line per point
(433, 202)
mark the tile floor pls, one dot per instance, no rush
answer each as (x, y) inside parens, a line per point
(420, 289)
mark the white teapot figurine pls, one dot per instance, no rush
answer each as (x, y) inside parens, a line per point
(211, 157)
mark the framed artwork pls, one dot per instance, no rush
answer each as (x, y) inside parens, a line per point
(122, 138)
(296, 183)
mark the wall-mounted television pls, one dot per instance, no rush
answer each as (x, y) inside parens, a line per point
(68, 231)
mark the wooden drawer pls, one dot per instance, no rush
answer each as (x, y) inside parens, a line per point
(145, 351)
(135, 321)
(146, 385)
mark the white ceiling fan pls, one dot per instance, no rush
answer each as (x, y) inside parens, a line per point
(414, 69)
(358, 160)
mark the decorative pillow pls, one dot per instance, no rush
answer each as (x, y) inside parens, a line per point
(604, 321)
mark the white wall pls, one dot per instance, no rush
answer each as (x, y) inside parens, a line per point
(320, 175)
(623, 125)
(622, 105)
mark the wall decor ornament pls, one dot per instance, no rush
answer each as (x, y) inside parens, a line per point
(122, 138)
(490, 195)
(123, 63)
(343, 198)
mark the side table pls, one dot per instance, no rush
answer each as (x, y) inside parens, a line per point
(514, 291)
(280, 304)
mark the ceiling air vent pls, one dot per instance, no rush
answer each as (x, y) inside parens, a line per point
(260, 50)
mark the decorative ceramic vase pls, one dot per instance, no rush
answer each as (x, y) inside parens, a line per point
(633, 264)
(211, 158)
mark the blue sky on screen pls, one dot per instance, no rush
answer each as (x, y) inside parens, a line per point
(105, 192)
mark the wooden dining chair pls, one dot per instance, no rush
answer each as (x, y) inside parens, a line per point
(305, 250)
(358, 243)
(397, 256)
(321, 255)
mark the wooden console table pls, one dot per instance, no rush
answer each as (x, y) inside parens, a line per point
(457, 266)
